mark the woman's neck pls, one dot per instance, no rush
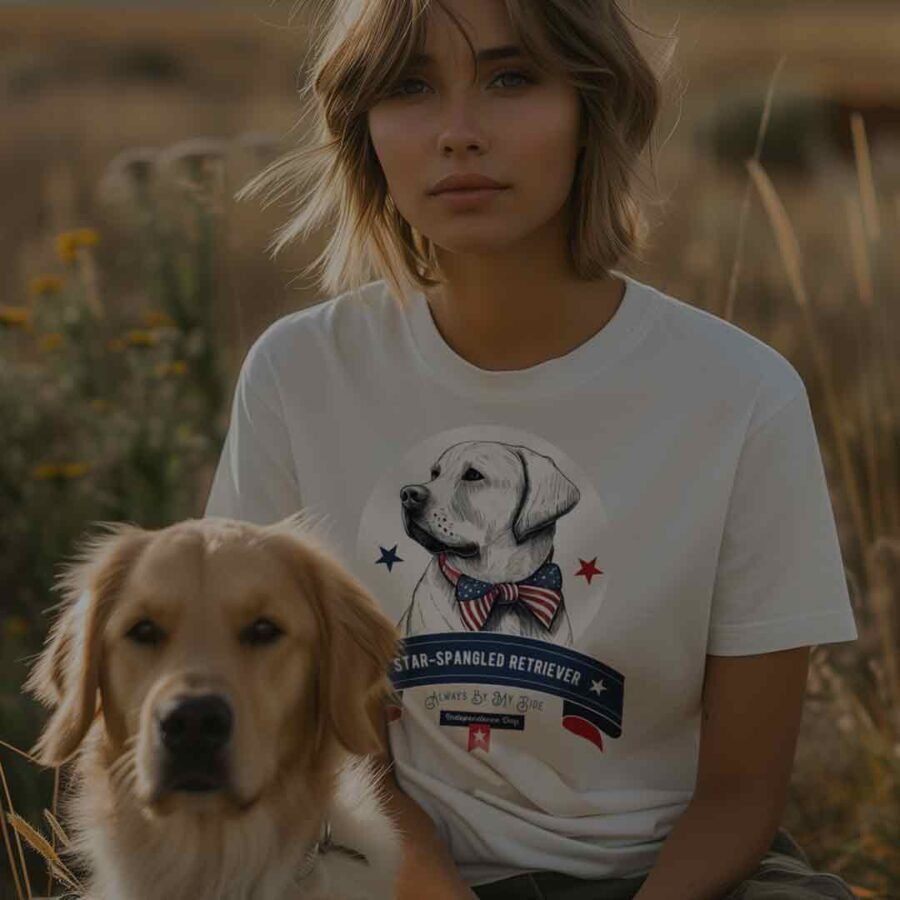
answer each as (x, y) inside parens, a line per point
(519, 328)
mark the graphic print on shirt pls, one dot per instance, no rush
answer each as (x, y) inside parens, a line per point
(486, 544)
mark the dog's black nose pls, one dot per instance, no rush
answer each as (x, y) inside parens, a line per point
(198, 723)
(413, 496)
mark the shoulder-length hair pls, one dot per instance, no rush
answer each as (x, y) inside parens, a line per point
(359, 51)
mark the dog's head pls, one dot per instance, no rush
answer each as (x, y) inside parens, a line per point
(218, 655)
(483, 491)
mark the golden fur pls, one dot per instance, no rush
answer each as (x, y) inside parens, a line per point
(307, 713)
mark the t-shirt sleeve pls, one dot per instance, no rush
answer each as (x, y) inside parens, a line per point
(780, 580)
(255, 478)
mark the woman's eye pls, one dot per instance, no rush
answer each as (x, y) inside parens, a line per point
(521, 75)
(146, 632)
(511, 72)
(262, 631)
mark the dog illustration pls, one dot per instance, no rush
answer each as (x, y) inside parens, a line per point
(489, 516)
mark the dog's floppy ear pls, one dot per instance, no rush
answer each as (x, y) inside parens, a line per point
(547, 494)
(359, 649)
(66, 675)
(357, 646)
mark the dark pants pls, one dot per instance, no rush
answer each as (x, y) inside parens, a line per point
(784, 873)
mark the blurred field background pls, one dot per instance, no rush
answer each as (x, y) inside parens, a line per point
(131, 286)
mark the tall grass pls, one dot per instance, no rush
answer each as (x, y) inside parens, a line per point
(866, 703)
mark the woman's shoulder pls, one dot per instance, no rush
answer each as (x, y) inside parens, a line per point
(726, 352)
(355, 315)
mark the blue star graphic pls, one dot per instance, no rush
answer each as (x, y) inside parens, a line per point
(388, 557)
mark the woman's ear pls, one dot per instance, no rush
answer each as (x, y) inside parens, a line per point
(66, 675)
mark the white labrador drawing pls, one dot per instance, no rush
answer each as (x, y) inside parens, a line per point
(489, 512)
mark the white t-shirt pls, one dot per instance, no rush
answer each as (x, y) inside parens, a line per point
(561, 547)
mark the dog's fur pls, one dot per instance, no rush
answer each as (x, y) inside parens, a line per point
(500, 527)
(307, 708)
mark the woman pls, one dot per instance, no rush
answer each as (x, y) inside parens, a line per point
(597, 513)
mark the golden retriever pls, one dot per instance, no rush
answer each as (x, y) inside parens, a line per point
(221, 687)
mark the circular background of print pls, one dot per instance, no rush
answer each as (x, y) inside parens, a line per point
(578, 537)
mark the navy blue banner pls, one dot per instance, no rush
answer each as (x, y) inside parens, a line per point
(592, 693)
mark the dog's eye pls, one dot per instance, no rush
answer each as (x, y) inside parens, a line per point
(146, 632)
(262, 631)
(435, 472)
(472, 475)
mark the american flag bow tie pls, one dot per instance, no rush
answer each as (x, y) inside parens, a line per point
(541, 592)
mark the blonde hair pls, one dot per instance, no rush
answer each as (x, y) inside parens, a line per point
(362, 49)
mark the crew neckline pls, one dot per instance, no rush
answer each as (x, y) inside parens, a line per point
(602, 349)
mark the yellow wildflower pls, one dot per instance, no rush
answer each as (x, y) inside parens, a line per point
(140, 338)
(75, 470)
(50, 471)
(67, 245)
(15, 317)
(45, 472)
(156, 318)
(51, 342)
(46, 284)
(68, 242)
(87, 237)
(178, 367)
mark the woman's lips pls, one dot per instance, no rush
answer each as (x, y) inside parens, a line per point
(462, 198)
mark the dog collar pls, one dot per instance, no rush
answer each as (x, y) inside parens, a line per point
(324, 844)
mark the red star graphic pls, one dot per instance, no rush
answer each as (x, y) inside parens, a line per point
(479, 736)
(588, 569)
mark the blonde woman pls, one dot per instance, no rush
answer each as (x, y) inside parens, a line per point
(597, 514)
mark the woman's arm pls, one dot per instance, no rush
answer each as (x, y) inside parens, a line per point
(426, 858)
(752, 708)
(714, 846)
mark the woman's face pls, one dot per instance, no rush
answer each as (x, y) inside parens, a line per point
(515, 124)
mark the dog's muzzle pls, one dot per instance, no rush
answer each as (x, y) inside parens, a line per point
(194, 732)
(414, 498)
